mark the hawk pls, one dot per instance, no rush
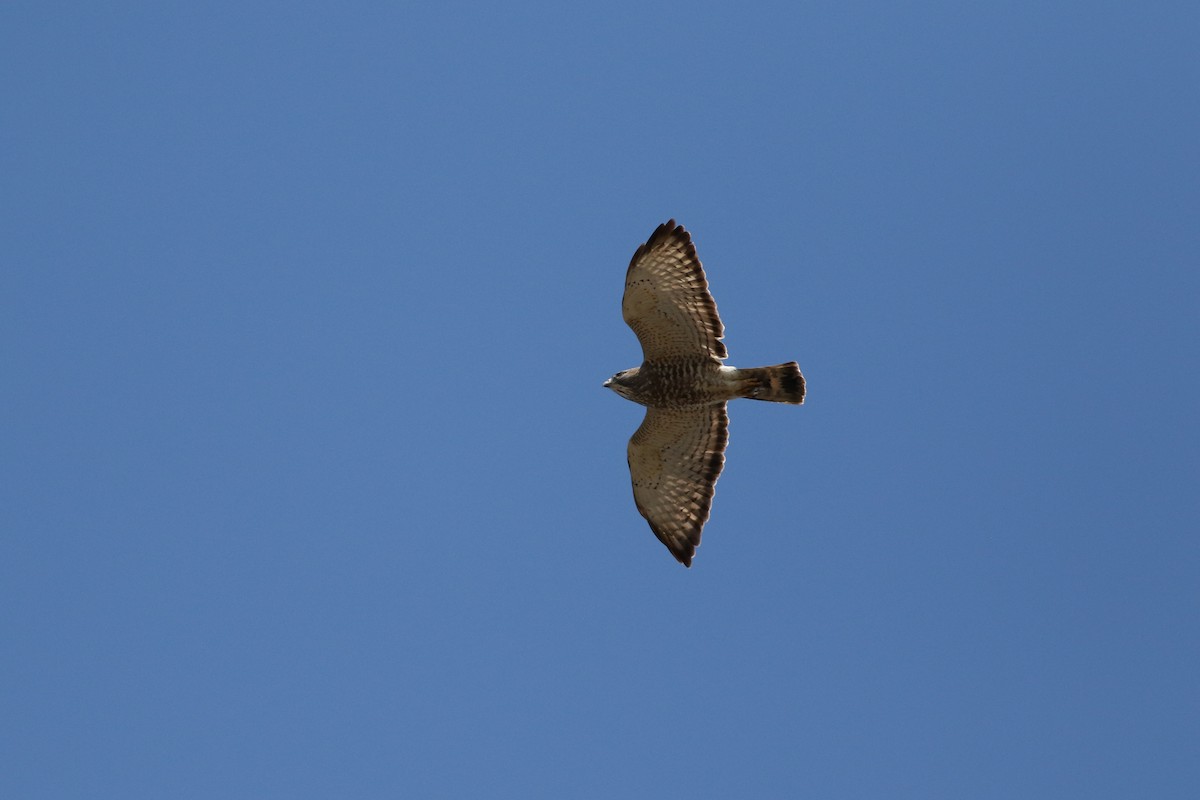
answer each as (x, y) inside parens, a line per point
(677, 454)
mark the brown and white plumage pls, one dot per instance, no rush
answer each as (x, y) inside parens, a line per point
(667, 302)
(676, 456)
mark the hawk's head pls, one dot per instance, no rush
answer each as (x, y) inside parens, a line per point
(623, 383)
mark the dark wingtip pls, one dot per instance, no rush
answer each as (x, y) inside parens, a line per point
(687, 550)
(669, 228)
(683, 551)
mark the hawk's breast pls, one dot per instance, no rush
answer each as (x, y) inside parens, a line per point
(680, 383)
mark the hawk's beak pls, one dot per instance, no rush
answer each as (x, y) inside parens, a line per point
(608, 383)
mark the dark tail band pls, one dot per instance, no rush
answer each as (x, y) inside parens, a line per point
(781, 383)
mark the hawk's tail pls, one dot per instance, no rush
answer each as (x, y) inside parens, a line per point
(781, 383)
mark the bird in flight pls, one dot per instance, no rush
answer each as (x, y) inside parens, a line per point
(677, 454)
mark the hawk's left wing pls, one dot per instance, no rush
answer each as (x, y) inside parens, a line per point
(667, 302)
(675, 458)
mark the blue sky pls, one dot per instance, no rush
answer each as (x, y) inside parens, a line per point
(310, 487)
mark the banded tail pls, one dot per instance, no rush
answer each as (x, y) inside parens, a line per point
(781, 383)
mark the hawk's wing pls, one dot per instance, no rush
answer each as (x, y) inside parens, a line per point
(675, 458)
(666, 299)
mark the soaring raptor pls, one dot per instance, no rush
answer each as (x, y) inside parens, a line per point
(676, 455)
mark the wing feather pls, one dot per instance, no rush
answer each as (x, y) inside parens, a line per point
(667, 302)
(675, 458)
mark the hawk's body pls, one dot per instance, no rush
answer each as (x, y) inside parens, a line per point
(676, 455)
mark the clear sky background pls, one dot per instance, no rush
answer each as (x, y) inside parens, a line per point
(310, 487)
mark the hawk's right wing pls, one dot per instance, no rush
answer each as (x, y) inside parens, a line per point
(675, 458)
(667, 302)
